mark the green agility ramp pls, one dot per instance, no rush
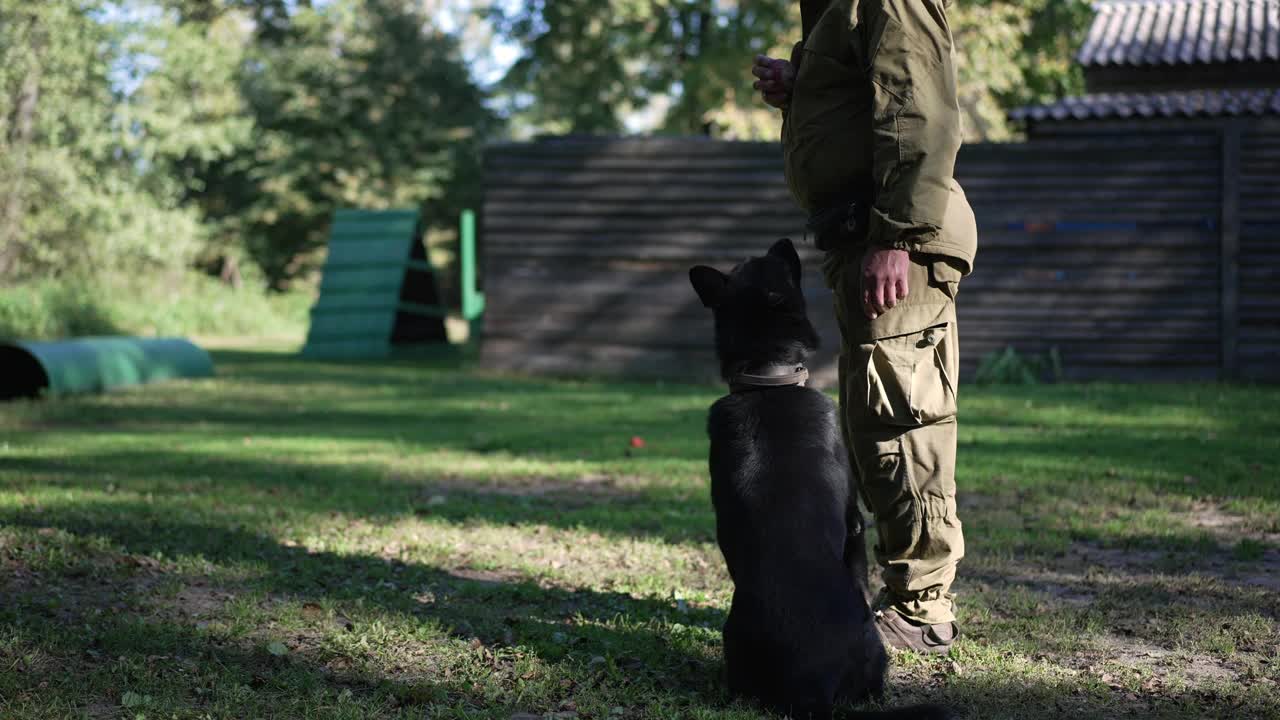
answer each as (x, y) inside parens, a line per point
(94, 364)
(378, 290)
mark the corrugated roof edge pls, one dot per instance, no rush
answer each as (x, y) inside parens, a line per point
(1186, 103)
(1145, 33)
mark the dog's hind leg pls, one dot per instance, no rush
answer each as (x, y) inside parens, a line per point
(743, 659)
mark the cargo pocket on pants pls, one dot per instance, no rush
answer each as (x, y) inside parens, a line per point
(889, 492)
(908, 384)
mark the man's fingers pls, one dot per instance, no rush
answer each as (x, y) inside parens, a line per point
(881, 295)
(768, 65)
(775, 98)
(884, 280)
(890, 294)
(774, 88)
(873, 297)
(775, 79)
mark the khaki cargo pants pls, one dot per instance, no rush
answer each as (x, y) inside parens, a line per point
(898, 405)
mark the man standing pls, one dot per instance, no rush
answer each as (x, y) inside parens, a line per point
(871, 128)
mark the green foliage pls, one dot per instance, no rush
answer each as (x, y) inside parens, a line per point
(1013, 53)
(353, 104)
(1047, 60)
(185, 303)
(73, 193)
(46, 310)
(146, 136)
(587, 64)
(1009, 367)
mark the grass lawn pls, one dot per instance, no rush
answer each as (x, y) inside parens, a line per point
(410, 539)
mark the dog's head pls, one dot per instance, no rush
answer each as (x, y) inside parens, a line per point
(759, 310)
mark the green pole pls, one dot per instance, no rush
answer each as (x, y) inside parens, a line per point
(472, 300)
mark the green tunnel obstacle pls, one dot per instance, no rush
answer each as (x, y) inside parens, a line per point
(94, 364)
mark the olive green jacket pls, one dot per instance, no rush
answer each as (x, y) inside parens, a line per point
(874, 117)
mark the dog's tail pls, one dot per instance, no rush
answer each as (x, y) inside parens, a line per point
(913, 712)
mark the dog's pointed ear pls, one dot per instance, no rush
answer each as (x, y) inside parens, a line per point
(784, 250)
(709, 283)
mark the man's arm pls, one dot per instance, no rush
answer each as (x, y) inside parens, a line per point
(916, 123)
(916, 129)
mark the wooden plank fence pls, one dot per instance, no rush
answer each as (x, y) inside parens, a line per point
(1259, 259)
(1109, 249)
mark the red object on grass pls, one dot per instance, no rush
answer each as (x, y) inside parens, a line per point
(637, 441)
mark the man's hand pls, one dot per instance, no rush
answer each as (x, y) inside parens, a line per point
(776, 78)
(884, 280)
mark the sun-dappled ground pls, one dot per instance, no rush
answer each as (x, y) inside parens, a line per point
(413, 539)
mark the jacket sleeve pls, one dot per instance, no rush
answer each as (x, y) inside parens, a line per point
(916, 121)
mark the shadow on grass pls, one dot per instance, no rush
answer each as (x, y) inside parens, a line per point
(370, 491)
(609, 649)
(580, 633)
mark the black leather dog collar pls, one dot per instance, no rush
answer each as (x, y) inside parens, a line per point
(748, 382)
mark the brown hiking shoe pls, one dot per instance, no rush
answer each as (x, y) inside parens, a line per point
(902, 634)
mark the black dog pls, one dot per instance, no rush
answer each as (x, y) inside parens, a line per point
(800, 635)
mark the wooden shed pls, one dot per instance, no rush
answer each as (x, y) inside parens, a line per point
(1206, 70)
(1172, 65)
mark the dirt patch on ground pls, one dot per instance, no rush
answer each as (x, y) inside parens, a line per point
(1163, 610)
(1227, 527)
(199, 600)
(1237, 556)
(487, 576)
(1157, 661)
(540, 486)
(564, 492)
(1257, 565)
(1075, 578)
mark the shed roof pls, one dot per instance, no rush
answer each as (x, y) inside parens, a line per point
(1150, 33)
(1182, 103)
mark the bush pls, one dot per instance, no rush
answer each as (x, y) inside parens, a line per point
(181, 304)
(1009, 367)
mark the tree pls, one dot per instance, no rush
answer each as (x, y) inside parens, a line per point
(1014, 53)
(76, 193)
(148, 134)
(44, 71)
(357, 103)
(187, 112)
(590, 64)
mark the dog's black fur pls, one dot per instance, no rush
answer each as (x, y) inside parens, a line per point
(800, 636)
